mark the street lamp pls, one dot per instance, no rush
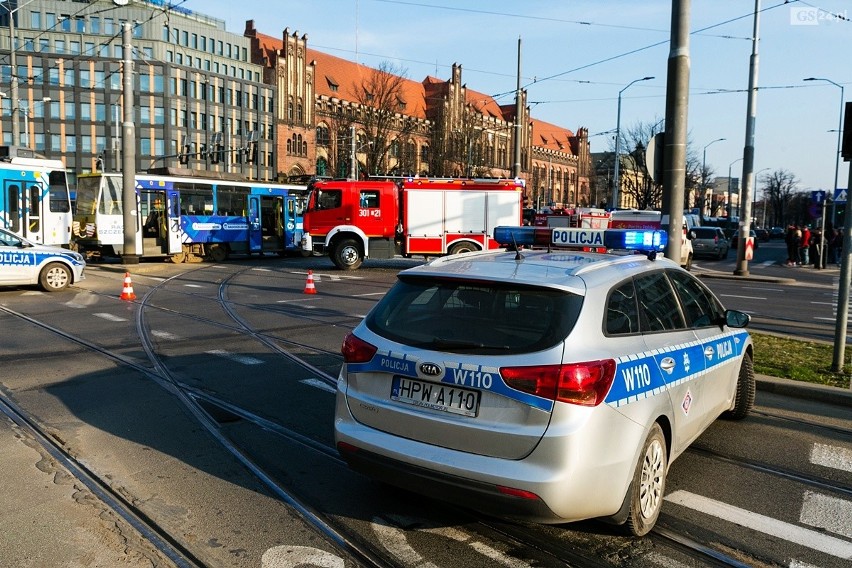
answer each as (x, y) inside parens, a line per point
(704, 168)
(618, 142)
(839, 137)
(730, 203)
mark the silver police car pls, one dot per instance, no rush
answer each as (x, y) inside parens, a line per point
(545, 385)
(23, 262)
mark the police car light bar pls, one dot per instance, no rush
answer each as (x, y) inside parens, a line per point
(645, 240)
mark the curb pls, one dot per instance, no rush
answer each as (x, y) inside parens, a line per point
(807, 391)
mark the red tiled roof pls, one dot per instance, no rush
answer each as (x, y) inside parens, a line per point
(551, 136)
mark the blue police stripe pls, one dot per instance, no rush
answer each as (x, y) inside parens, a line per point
(637, 376)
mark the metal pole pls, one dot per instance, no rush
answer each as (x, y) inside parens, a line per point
(353, 174)
(748, 150)
(839, 137)
(677, 107)
(730, 194)
(519, 114)
(616, 173)
(132, 223)
(843, 293)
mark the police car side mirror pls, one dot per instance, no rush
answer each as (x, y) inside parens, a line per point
(690, 235)
(736, 318)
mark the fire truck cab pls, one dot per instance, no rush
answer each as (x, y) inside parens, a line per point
(354, 220)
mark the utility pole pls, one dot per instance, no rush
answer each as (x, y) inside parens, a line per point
(677, 106)
(132, 223)
(845, 263)
(748, 151)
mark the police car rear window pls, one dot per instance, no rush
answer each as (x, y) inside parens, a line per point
(473, 317)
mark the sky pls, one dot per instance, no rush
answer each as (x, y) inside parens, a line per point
(577, 55)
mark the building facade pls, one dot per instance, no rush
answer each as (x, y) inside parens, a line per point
(195, 87)
(267, 108)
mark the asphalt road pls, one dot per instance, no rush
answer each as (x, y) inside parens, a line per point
(207, 404)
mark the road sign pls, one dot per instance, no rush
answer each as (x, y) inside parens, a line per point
(840, 196)
(818, 196)
(749, 248)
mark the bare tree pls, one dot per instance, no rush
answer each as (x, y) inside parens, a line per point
(635, 176)
(380, 95)
(780, 189)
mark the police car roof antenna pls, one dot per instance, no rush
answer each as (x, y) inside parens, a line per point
(518, 255)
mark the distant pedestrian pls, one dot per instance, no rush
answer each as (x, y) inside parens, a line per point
(804, 246)
(835, 244)
(791, 238)
(816, 249)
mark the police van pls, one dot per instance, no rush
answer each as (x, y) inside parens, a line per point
(23, 262)
(542, 382)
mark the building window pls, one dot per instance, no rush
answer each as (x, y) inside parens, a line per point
(95, 24)
(35, 20)
(323, 138)
(49, 21)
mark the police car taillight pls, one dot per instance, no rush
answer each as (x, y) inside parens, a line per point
(586, 384)
(357, 350)
(645, 240)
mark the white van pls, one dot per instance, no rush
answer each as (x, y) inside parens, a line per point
(646, 219)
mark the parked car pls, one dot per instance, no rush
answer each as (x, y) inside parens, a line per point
(776, 233)
(709, 242)
(24, 262)
(735, 238)
(762, 234)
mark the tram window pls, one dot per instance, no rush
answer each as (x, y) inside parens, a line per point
(231, 200)
(87, 193)
(35, 208)
(59, 201)
(195, 199)
(111, 199)
(13, 207)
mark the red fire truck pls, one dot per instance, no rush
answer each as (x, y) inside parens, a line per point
(353, 220)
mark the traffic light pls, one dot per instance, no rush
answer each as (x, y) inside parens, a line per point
(184, 155)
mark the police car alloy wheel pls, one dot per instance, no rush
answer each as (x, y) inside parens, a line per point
(54, 277)
(649, 484)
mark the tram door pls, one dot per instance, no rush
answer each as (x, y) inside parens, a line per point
(272, 222)
(173, 222)
(152, 209)
(255, 229)
(23, 209)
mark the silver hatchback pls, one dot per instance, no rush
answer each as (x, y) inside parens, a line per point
(710, 242)
(545, 385)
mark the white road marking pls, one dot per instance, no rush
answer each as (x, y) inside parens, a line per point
(370, 294)
(743, 297)
(261, 270)
(800, 564)
(832, 456)
(244, 359)
(109, 317)
(461, 536)
(761, 523)
(165, 335)
(316, 383)
(828, 513)
(395, 542)
(292, 556)
(760, 288)
(295, 300)
(193, 286)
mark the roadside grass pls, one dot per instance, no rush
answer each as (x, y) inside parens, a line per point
(799, 360)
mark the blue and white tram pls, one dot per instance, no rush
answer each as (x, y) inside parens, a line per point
(35, 202)
(188, 218)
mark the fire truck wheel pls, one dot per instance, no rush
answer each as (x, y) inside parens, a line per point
(461, 248)
(347, 255)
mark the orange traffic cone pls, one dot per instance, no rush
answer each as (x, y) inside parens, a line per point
(127, 291)
(309, 284)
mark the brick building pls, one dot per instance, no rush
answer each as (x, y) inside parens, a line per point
(330, 109)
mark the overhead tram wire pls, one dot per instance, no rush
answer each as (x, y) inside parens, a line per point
(640, 49)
